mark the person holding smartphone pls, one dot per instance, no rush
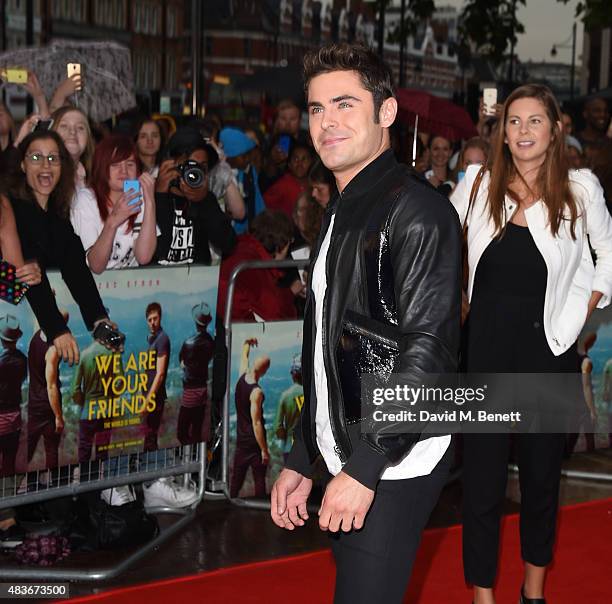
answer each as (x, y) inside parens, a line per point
(116, 223)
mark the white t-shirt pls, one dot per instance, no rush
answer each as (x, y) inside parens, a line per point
(420, 460)
(87, 224)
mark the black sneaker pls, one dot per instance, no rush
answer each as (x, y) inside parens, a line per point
(12, 536)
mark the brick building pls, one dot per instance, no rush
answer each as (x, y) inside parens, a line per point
(152, 29)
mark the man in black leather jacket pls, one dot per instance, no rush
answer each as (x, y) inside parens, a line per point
(388, 254)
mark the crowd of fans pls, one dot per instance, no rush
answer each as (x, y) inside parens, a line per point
(85, 198)
(196, 192)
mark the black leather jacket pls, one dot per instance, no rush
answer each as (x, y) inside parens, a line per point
(420, 242)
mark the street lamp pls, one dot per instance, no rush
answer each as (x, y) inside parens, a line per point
(565, 44)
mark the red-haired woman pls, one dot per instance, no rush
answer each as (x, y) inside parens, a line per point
(117, 228)
(532, 286)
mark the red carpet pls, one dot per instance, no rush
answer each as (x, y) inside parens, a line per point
(582, 571)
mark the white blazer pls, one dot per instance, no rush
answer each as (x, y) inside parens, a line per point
(572, 277)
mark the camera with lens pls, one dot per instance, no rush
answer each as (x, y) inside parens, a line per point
(191, 173)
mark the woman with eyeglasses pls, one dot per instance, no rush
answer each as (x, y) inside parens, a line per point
(39, 194)
(532, 286)
(115, 221)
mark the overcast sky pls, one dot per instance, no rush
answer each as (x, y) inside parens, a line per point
(546, 22)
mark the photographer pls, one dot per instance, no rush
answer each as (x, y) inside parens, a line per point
(188, 214)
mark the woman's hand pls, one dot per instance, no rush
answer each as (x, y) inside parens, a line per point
(67, 348)
(35, 90)
(127, 205)
(69, 86)
(147, 184)
(298, 288)
(30, 273)
(26, 127)
(107, 345)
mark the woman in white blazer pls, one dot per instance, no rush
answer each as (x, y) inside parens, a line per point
(532, 285)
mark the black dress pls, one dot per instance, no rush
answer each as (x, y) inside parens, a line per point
(506, 335)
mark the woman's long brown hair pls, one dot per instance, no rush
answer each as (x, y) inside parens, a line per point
(552, 181)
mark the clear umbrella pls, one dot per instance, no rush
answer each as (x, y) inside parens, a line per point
(108, 84)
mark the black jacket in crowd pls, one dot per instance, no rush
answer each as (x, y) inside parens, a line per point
(51, 241)
(210, 224)
(417, 253)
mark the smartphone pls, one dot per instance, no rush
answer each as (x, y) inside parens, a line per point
(14, 75)
(107, 335)
(43, 125)
(489, 99)
(73, 69)
(284, 140)
(132, 186)
(11, 289)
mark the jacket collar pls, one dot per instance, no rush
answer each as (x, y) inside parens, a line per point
(369, 176)
(367, 179)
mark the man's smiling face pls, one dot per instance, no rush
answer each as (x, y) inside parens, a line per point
(342, 123)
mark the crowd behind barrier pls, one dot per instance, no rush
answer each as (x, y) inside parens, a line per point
(209, 213)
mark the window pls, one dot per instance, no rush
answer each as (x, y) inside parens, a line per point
(170, 72)
(171, 22)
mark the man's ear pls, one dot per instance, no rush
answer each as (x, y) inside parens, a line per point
(388, 112)
(22, 167)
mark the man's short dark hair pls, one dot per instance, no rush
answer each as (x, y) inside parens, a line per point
(272, 229)
(153, 307)
(373, 72)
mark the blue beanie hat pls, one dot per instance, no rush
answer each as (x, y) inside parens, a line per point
(235, 142)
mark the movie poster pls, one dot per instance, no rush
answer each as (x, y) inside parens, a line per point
(266, 397)
(596, 341)
(153, 395)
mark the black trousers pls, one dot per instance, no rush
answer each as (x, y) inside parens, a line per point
(485, 472)
(374, 563)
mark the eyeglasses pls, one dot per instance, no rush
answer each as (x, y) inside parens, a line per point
(37, 159)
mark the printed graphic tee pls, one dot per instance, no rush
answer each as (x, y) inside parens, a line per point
(88, 225)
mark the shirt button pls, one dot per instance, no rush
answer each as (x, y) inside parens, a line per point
(536, 324)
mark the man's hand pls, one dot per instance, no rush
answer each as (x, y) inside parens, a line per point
(67, 348)
(167, 172)
(265, 457)
(59, 424)
(345, 504)
(288, 500)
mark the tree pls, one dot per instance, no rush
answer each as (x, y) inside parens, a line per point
(490, 27)
(593, 13)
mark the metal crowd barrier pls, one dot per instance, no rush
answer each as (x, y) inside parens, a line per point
(220, 488)
(223, 484)
(124, 469)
